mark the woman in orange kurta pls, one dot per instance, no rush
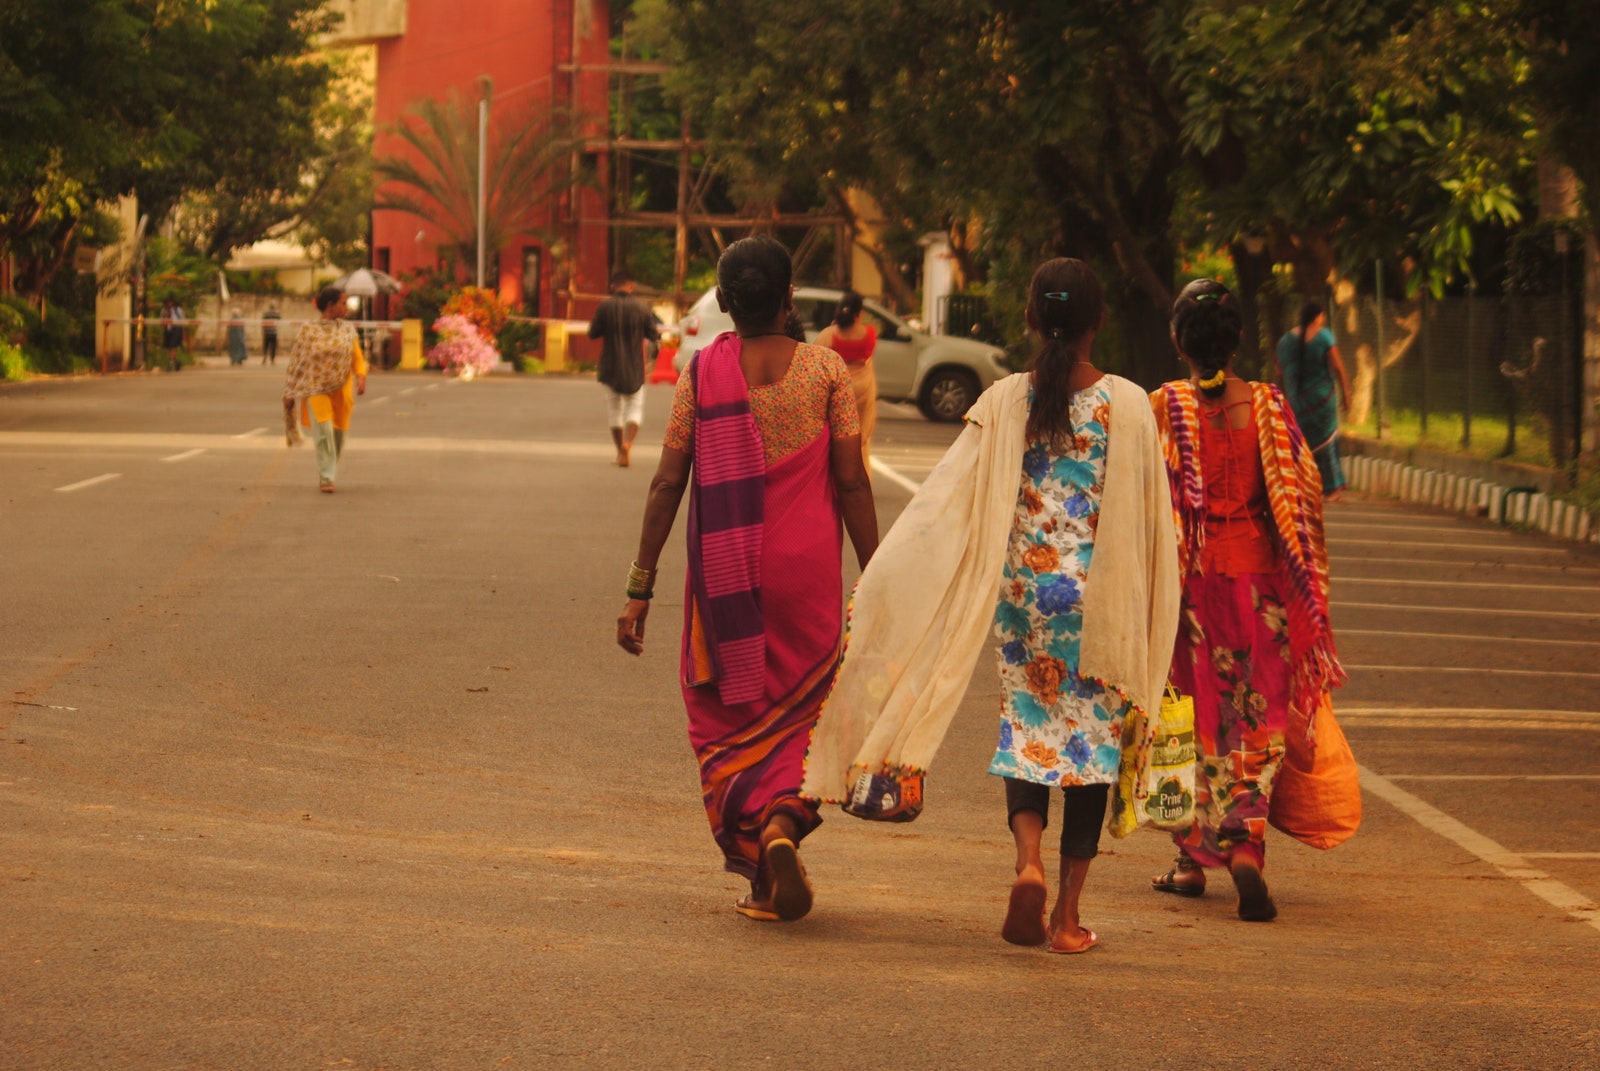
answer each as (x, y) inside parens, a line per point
(1254, 647)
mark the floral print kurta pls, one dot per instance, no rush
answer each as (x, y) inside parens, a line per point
(1056, 727)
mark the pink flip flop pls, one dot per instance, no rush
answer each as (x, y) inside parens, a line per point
(1090, 940)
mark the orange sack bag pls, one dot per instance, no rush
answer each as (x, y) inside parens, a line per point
(1316, 798)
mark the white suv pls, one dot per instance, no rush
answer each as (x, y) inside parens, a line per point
(943, 374)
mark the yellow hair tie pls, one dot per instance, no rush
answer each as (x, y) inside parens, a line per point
(1215, 381)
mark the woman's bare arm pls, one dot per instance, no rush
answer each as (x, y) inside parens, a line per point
(660, 510)
(854, 488)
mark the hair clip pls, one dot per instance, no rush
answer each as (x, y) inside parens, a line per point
(1212, 296)
(1056, 295)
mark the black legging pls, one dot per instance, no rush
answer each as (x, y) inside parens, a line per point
(1083, 812)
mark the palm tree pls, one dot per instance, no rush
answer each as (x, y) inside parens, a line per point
(530, 161)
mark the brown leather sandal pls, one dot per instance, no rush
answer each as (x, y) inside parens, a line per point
(1174, 882)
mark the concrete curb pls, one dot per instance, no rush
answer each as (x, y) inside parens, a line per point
(1505, 505)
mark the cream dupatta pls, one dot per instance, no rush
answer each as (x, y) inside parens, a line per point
(925, 603)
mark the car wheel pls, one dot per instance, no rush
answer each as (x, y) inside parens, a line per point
(947, 394)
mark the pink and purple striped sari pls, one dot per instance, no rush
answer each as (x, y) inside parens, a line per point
(762, 610)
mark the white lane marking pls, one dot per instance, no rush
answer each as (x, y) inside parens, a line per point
(186, 455)
(1561, 855)
(90, 482)
(1458, 529)
(1499, 548)
(252, 433)
(1495, 670)
(894, 477)
(1512, 865)
(431, 386)
(1465, 584)
(1469, 637)
(1436, 563)
(1495, 777)
(408, 390)
(382, 444)
(380, 401)
(1450, 719)
(1487, 725)
(1572, 716)
(1476, 610)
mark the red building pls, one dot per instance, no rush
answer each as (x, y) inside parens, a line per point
(539, 54)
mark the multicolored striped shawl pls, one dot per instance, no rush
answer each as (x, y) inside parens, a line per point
(727, 506)
(1294, 492)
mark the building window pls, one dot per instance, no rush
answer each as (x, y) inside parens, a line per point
(532, 260)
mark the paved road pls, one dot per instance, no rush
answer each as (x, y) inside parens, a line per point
(292, 781)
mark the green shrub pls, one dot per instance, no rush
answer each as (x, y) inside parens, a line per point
(519, 342)
(13, 365)
(426, 291)
(52, 343)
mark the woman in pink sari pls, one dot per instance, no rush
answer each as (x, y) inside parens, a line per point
(764, 433)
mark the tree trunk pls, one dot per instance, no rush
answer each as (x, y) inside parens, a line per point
(1590, 429)
(1255, 272)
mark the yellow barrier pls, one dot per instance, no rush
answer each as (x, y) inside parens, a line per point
(410, 344)
(555, 346)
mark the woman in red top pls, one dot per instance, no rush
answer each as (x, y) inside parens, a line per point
(854, 341)
(1254, 647)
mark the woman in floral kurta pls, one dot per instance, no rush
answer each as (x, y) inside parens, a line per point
(1056, 728)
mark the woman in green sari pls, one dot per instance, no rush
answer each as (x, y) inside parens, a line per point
(1309, 358)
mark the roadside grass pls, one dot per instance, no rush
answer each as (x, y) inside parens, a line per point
(1403, 427)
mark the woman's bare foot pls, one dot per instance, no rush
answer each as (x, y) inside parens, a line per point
(756, 904)
(1069, 941)
(791, 889)
(1025, 920)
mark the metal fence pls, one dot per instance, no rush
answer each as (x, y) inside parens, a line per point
(1499, 376)
(969, 316)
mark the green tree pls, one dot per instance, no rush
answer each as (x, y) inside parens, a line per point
(324, 204)
(1122, 130)
(100, 98)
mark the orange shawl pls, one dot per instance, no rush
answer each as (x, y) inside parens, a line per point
(1294, 492)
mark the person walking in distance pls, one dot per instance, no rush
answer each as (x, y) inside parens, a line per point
(1309, 359)
(855, 341)
(326, 372)
(172, 332)
(622, 323)
(269, 334)
(237, 353)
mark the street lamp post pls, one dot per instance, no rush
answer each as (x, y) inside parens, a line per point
(483, 156)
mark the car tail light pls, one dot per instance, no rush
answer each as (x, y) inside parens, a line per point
(691, 325)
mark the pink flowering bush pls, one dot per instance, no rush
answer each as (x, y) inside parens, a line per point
(461, 349)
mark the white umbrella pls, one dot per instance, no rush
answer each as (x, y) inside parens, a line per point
(368, 282)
